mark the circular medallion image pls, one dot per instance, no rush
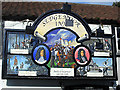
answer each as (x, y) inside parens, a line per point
(82, 55)
(41, 54)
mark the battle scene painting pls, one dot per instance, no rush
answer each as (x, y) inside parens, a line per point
(61, 43)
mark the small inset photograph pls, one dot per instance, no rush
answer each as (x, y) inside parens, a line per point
(41, 54)
(100, 67)
(82, 55)
(99, 46)
(19, 43)
(24, 66)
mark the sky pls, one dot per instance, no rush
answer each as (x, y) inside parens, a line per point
(100, 2)
(54, 36)
(100, 61)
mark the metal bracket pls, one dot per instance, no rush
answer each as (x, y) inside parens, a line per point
(66, 7)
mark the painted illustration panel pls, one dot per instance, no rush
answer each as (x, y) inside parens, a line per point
(82, 55)
(99, 46)
(41, 54)
(19, 43)
(61, 43)
(19, 63)
(98, 67)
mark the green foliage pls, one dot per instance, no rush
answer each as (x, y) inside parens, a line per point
(67, 65)
(116, 4)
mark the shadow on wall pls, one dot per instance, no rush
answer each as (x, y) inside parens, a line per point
(31, 89)
(56, 83)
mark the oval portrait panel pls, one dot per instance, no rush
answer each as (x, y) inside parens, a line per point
(82, 55)
(41, 54)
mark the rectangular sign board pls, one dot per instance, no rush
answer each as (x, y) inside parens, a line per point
(62, 57)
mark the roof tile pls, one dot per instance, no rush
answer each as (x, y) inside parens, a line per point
(32, 10)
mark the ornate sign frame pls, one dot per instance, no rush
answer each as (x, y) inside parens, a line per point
(67, 24)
